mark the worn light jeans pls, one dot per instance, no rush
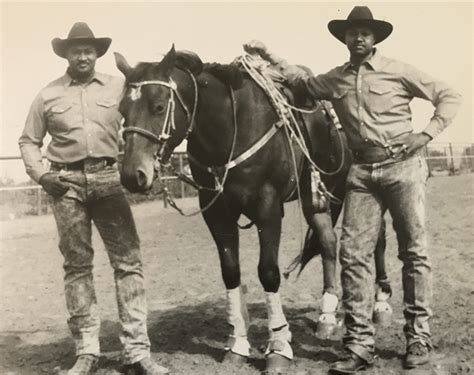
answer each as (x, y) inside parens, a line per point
(371, 190)
(97, 196)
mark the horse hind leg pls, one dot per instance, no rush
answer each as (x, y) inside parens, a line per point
(323, 238)
(382, 313)
(279, 352)
(223, 227)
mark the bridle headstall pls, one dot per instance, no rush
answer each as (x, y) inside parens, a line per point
(169, 122)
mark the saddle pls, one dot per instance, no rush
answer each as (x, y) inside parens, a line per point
(233, 75)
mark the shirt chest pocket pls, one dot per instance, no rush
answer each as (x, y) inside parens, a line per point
(380, 98)
(106, 103)
(59, 109)
(107, 110)
(59, 116)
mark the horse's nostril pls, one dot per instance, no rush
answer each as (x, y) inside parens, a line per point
(141, 178)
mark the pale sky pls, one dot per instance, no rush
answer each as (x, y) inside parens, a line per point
(435, 37)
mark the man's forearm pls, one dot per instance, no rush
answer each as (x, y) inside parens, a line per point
(33, 160)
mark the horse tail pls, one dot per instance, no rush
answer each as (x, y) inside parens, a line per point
(309, 251)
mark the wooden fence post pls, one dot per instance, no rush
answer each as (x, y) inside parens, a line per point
(39, 202)
(451, 170)
(181, 167)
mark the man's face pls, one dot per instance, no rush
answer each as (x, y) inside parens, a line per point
(81, 58)
(360, 41)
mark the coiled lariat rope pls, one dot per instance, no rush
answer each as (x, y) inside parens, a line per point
(262, 75)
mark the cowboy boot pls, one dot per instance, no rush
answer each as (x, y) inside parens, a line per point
(349, 364)
(418, 354)
(146, 367)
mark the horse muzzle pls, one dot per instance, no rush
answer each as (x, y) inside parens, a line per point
(138, 179)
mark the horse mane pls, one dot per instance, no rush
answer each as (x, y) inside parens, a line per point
(228, 74)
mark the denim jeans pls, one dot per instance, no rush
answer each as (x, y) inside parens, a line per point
(371, 190)
(97, 196)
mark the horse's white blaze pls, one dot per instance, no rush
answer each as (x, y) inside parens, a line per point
(135, 93)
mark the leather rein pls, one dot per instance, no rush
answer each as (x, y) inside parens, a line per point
(220, 173)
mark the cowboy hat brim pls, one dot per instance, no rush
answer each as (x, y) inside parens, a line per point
(60, 46)
(381, 29)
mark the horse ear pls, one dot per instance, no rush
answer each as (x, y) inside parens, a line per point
(168, 63)
(189, 60)
(122, 64)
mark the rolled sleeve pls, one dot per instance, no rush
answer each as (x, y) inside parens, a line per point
(31, 140)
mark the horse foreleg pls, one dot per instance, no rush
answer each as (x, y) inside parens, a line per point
(268, 220)
(223, 227)
(382, 309)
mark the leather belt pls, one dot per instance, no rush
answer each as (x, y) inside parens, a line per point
(374, 154)
(84, 164)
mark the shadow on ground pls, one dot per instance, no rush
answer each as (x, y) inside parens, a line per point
(193, 333)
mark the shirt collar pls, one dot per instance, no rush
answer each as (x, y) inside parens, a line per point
(98, 77)
(375, 61)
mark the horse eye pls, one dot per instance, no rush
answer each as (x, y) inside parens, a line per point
(159, 109)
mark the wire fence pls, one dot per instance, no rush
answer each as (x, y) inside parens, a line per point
(27, 198)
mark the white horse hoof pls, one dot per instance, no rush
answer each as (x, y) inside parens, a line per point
(326, 326)
(382, 314)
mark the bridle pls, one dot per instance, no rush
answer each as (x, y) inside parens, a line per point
(169, 123)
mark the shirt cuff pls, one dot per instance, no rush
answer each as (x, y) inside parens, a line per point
(432, 130)
(36, 174)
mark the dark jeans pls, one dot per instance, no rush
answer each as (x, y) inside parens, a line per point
(97, 196)
(371, 190)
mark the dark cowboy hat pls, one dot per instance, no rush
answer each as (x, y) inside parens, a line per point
(80, 32)
(360, 16)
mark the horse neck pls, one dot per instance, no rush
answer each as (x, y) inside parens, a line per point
(184, 105)
(213, 129)
(213, 135)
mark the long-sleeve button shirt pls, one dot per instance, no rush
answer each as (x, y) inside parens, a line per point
(372, 102)
(82, 119)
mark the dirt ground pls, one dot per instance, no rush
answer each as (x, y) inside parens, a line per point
(186, 295)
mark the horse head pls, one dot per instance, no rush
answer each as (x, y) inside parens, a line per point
(158, 107)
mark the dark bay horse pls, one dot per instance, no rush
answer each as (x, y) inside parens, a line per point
(166, 102)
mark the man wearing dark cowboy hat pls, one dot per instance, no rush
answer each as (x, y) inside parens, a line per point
(371, 96)
(79, 111)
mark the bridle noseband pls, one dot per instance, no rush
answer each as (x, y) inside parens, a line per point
(169, 123)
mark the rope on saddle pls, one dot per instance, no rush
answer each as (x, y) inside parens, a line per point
(265, 77)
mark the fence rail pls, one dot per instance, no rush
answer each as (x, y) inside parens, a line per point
(442, 159)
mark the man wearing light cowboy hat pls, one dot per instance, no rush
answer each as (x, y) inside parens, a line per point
(371, 96)
(80, 112)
